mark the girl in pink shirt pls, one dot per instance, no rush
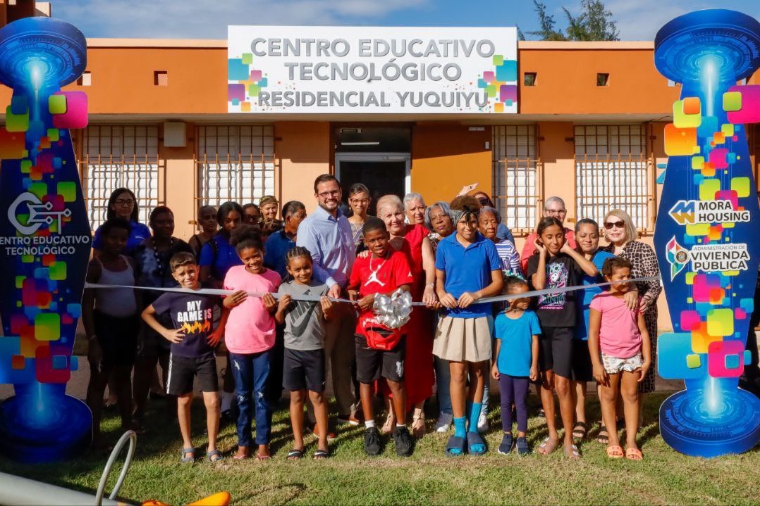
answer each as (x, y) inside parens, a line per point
(249, 335)
(621, 354)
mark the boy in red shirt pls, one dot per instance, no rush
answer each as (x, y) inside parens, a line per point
(380, 351)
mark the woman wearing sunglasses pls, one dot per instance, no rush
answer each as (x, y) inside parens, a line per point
(621, 233)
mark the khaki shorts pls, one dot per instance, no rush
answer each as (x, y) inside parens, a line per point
(463, 339)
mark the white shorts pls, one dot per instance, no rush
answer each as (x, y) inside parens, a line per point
(614, 365)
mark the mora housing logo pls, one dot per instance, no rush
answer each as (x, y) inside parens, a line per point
(692, 212)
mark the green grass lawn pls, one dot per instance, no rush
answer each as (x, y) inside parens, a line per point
(428, 477)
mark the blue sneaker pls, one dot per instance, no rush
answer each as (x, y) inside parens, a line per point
(522, 446)
(507, 443)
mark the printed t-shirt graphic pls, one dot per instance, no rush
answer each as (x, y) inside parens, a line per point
(379, 275)
(194, 316)
(304, 330)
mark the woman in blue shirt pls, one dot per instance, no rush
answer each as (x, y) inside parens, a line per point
(123, 204)
(218, 255)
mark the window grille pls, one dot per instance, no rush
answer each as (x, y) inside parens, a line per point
(235, 163)
(517, 176)
(119, 156)
(612, 171)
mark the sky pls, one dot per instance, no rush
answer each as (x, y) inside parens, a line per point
(204, 19)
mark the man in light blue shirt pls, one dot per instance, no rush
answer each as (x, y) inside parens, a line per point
(326, 233)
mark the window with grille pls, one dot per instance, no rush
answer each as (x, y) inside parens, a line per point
(235, 163)
(119, 156)
(612, 171)
(516, 176)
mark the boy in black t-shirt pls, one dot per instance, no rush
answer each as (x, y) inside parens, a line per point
(192, 350)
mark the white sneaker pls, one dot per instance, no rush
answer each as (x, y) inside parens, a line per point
(482, 423)
(443, 424)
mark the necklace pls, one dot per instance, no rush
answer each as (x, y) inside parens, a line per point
(160, 267)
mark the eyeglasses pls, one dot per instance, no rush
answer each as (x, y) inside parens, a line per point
(614, 224)
(333, 193)
(124, 202)
(484, 201)
(556, 211)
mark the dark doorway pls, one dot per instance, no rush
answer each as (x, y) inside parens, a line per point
(382, 178)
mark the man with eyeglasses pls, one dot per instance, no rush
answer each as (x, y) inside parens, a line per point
(553, 208)
(326, 233)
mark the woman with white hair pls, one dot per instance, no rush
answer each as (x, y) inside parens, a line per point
(415, 208)
(413, 239)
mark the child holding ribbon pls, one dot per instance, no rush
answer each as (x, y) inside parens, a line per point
(468, 268)
(249, 334)
(304, 339)
(380, 350)
(556, 265)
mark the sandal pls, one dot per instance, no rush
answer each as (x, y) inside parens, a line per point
(547, 446)
(572, 452)
(390, 423)
(633, 454)
(242, 453)
(455, 446)
(321, 454)
(615, 452)
(295, 454)
(214, 456)
(418, 423)
(604, 436)
(580, 429)
(188, 455)
(475, 444)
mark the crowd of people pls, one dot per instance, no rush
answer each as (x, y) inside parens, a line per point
(300, 300)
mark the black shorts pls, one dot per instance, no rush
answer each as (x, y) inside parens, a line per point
(372, 364)
(117, 338)
(182, 371)
(555, 352)
(583, 369)
(304, 370)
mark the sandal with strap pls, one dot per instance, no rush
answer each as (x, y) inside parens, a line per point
(572, 452)
(321, 454)
(475, 444)
(456, 446)
(295, 454)
(615, 452)
(547, 446)
(603, 437)
(214, 456)
(188, 455)
(633, 454)
(418, 423)
(580, 429)
(390, 423)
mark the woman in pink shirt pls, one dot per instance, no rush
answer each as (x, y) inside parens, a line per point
(621, 354)
(249, 334)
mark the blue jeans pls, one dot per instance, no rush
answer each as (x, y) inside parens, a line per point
(251, 373)
(443, 387)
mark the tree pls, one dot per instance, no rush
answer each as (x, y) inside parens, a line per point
(593, 23)
(547, 31)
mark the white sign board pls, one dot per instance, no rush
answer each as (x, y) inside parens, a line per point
(327, 69)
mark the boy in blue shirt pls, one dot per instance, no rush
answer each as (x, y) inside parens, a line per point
(515, 364)
(192, 350)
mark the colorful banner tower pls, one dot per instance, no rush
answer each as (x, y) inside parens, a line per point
(44, 240)
(707, 245)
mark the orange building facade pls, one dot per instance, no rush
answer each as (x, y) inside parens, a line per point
(589, 129)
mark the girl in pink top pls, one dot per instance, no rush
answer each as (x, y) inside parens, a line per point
(621, 354)
(249, 335)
